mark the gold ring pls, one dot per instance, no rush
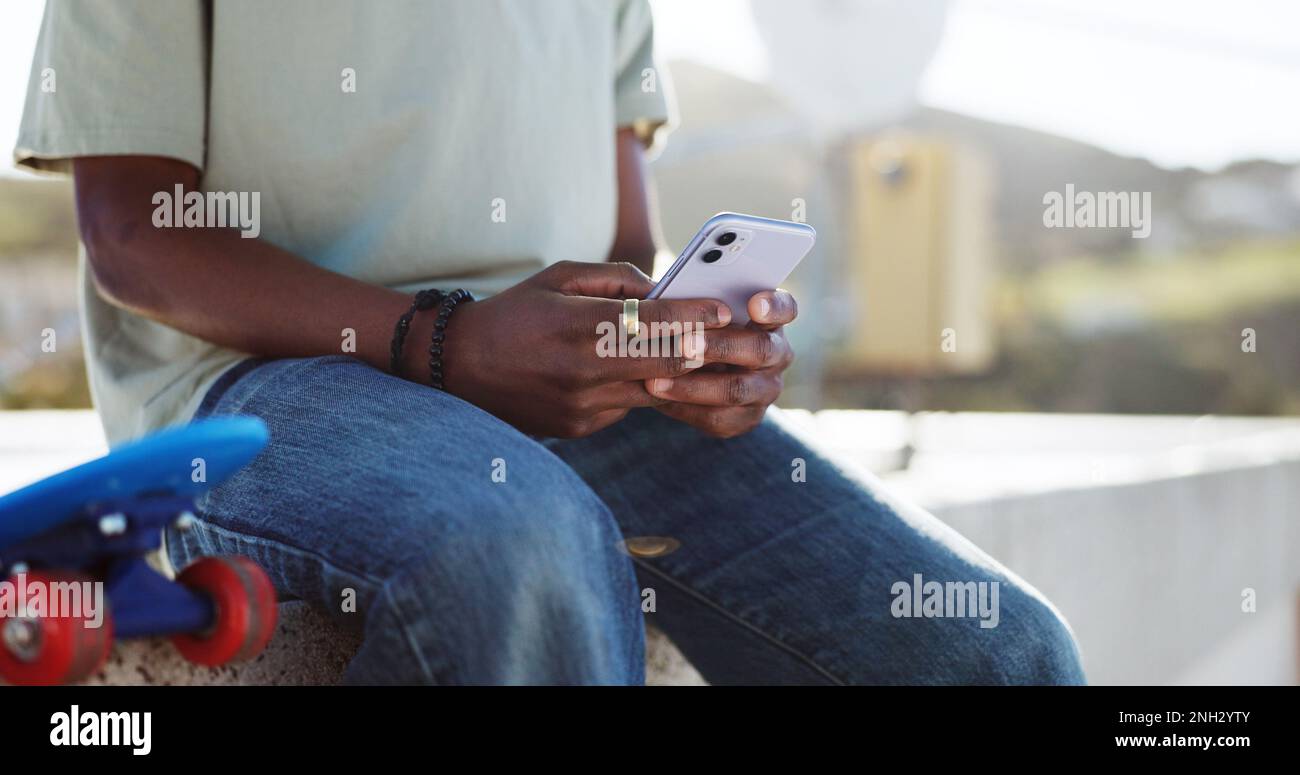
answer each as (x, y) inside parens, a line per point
(631, 318)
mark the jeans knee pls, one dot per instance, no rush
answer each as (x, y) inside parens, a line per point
(554, 536)
(526, 585)
(1037, 646)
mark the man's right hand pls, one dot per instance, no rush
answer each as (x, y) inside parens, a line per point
(529, 354)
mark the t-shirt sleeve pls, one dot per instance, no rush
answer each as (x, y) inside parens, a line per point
(116, 77)
(642, 89)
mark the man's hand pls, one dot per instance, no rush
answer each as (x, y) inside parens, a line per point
(529, 354)
(730, 396)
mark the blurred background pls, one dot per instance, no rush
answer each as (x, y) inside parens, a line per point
(923, 137)
(1112, 417)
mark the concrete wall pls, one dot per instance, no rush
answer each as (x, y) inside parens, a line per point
(1150, 575)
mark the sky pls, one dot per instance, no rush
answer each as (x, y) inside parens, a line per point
(1181, 82)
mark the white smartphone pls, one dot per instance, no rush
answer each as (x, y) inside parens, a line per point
(733, 257)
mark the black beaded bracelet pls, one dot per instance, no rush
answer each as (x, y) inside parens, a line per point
(445, 308)
(425, 299)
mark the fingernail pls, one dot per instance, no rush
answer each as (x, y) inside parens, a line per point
(724, 314)
(660, 385)
(764, 307)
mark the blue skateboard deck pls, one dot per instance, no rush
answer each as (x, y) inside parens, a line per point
(162, 464)
(98, 523)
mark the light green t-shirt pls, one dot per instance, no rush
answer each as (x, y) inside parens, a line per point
(407, 142)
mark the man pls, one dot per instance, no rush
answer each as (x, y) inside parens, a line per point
(496, 146)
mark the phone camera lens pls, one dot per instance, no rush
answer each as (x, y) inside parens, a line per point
(727, 238)
(711, 256)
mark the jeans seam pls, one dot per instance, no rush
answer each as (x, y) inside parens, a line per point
(775, 641)
(382, 587)
(411, 643)
(251, 537)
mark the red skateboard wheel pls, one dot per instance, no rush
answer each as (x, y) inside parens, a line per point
(52, 647)
(245, 611)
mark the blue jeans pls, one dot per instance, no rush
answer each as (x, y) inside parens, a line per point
(468, 552)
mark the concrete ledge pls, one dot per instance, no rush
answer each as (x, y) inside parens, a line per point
(310, 650)
(307, 649)
(1151, 575)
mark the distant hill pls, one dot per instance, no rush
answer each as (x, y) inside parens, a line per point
(730, 125)
(1192, 208)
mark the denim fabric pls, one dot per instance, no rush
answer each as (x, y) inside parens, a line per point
(379, 492)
